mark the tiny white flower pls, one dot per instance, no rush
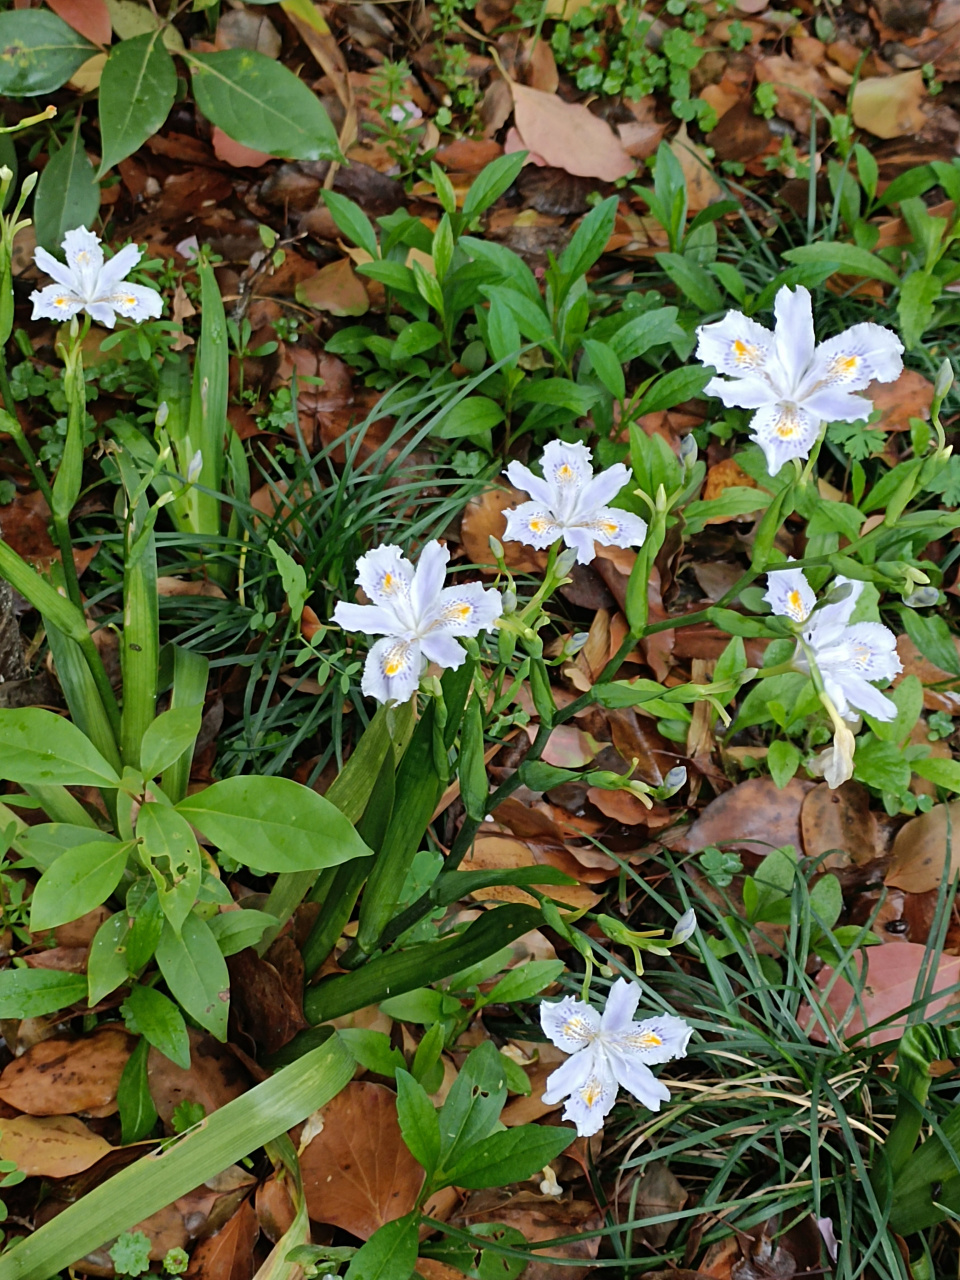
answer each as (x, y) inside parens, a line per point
(608, 1051)
(417, 616)
(87, 283)
(793, 384)
(570, 503)
(195, 467)
(848, 656)
(401, 112)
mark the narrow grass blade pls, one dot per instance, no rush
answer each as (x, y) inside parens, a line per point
(140, 645)
(157, 1180)
(189, 686)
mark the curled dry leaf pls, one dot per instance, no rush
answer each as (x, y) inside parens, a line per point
(50, 1146)
(890, 106)
(568, 135)
(357, 1172)
(69, 1073)
(926, 849)
(891, 979)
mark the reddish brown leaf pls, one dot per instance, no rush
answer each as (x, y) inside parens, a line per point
(568, 135)
(215, 1077)
(357, 1172)
(755, 816)
(228, 1255)
(90, 17)
(69, 1073)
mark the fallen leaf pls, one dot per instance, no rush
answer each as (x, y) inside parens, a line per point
(568, 135)
(839, 819)
(189, 587)
(891, 979)
(909, 397)
(524, 1109)
(727, 474)
(658, 1194)
(86, 79)
(483, 519)
(215, 1077)
(493, 852)
(50, 1146)
(266, 994)
(336, 289)
(788, 76)
(925, 849)
(357, 1172)
(90, 17)
(755, 816)
(702, 186)
(275, 1208)
(235, 153)
(25, 528)
(539, 1219)
(918, 664)
(69, 1073)
(889, 106)
(228, 1255)
(240, 29)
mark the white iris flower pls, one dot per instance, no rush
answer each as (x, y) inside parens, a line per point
(417, 616)
(570, 503)
(795, 385)
(848, 655)
(608, 1051)
(87, 283)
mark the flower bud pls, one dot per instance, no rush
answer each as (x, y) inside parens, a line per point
(922, 598)
(195, 467)
(162, 414)
(688, 451)
(944, 380)
(685, 928)
(565, 561)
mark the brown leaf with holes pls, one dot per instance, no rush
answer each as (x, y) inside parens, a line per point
(838, 822)
(357, 1172)
(69, 1073)
(228, 1255)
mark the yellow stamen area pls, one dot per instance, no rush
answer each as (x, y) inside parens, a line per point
(844, 366)
(609, 527)
(795, 605)
(591, 1092)
(576, 1028)
(538, 524)
(392, 667)
(565, 474)
(131, 302)
(388, 582)
(458, 612)
(62, 302)
(788, 425)
(743, 352)
(650, 1041)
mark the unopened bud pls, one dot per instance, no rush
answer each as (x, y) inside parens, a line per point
(685, 928)
(29, 182)
(944, 380)
(509, 600)
(162, 414)
(195, 467)
(672, 783)
(922, 598)
(565, 561)
(689, 450)
(496, 546)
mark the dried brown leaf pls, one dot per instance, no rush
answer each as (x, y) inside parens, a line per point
(926, 849)
(50, 1146)
(890, 106)
(69, 1073)
(568, 135)
(228, 1255)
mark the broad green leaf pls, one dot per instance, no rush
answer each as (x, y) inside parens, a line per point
(260, 104)
(81, 878)
(881, 765)
(107, 958)
(166, 739)
(490, 184)
(737, 500)
(373, 1050)
(470, 417)
(138, 1115)
(38, 748)
(419, 1122)
(848, 258)
(673, 388)
(169, 850)
(918, 298)
(151, 1014)
(32, 993)
(44, 843)
(525, 981)
(930, 633)
(414, 339)
(826, 899)
(40, 52)
(130, 19)
(67, 196)
(693, 281)
(273, 824)
(473, 1105)
(944, 773)
(509, 1156)
(639, 334)
(294, 579)
(783, 761)
(196, 973)
(424, 1006)
(589, 240)
(137, 89)
(235, 930)
(389, 1254)
(607, 366)
(352, 221)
